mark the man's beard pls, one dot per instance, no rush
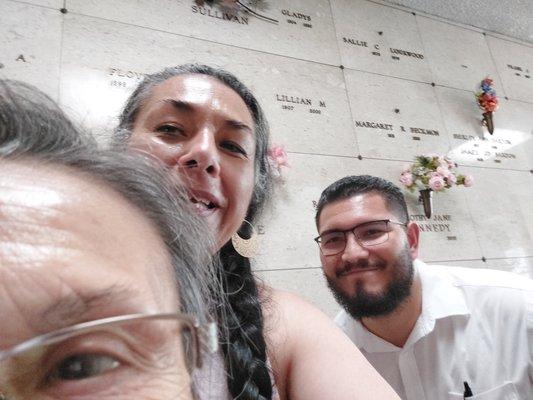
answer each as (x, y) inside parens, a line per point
(365, 304)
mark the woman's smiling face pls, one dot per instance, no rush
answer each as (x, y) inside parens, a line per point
(203, 131)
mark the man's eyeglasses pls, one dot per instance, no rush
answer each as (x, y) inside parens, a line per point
(367, 234)
(129, 356)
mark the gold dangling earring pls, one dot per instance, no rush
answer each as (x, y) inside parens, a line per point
(246, 247)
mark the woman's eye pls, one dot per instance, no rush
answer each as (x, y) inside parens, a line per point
(168, 129)
(233, 147)
(83, 366)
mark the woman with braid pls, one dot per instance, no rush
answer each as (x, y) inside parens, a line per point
(208, 128)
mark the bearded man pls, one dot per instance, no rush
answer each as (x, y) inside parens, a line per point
(433, 332)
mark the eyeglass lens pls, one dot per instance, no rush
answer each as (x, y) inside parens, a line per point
(146, 359)
(368, 234)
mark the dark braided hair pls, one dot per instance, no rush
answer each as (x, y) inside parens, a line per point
(240, 316)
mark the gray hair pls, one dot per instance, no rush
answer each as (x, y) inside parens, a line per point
(263, 177)
(33, 127)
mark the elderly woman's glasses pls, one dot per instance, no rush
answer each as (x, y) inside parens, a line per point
(141, 356)
(367, 234)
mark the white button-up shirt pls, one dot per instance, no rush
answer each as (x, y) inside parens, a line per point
(476, 326)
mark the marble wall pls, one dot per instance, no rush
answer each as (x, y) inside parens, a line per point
(349, 87)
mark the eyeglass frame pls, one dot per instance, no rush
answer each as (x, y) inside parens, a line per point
(318, 239)
(205, 334)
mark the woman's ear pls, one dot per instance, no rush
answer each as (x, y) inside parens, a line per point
(413, 237)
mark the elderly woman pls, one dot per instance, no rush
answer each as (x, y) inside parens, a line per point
(208, 128)
(103, 289)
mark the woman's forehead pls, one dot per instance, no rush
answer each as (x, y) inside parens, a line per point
(200, 90)
(80, 226)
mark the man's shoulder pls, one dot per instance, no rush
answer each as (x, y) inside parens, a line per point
(485, 290)
(478, 278)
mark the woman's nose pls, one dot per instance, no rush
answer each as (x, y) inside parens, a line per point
(201, 154)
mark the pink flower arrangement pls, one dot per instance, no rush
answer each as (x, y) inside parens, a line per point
(436, 182)
(277, 158)
(468, 180)
(433, 172)
(406, 178)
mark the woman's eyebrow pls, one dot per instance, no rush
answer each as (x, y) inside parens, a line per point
(188, 107)
(77, 307)
(234, 124)
(179, 104)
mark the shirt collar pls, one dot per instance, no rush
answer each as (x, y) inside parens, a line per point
(364, 339)
(440, 299)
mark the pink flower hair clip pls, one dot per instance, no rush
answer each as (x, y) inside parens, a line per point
(277, 158)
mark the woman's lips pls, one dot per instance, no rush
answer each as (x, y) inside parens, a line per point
(205, 202)
(202, 208)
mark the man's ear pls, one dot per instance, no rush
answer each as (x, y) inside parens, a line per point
(413, 237)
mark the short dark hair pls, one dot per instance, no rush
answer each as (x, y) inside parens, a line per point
(350, 186)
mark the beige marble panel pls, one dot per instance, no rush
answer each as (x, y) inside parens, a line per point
(30, 39)
(478, 263)
(528, 149)
(304, 28)
(305, 102)
(379, 39)
(308, 283)
(515, 119)
(57, 4)
(473, 145)
(500, 203)
(449, 233)
(515, 66)
(289, 227)
(521, 184)
(458, 57)
(416, 128)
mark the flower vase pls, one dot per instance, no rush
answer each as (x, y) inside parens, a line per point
(487, 121)
(426, 198)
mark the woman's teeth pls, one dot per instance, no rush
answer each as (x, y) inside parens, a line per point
(202, 205)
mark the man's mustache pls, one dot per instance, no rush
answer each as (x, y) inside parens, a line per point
(361, 264)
